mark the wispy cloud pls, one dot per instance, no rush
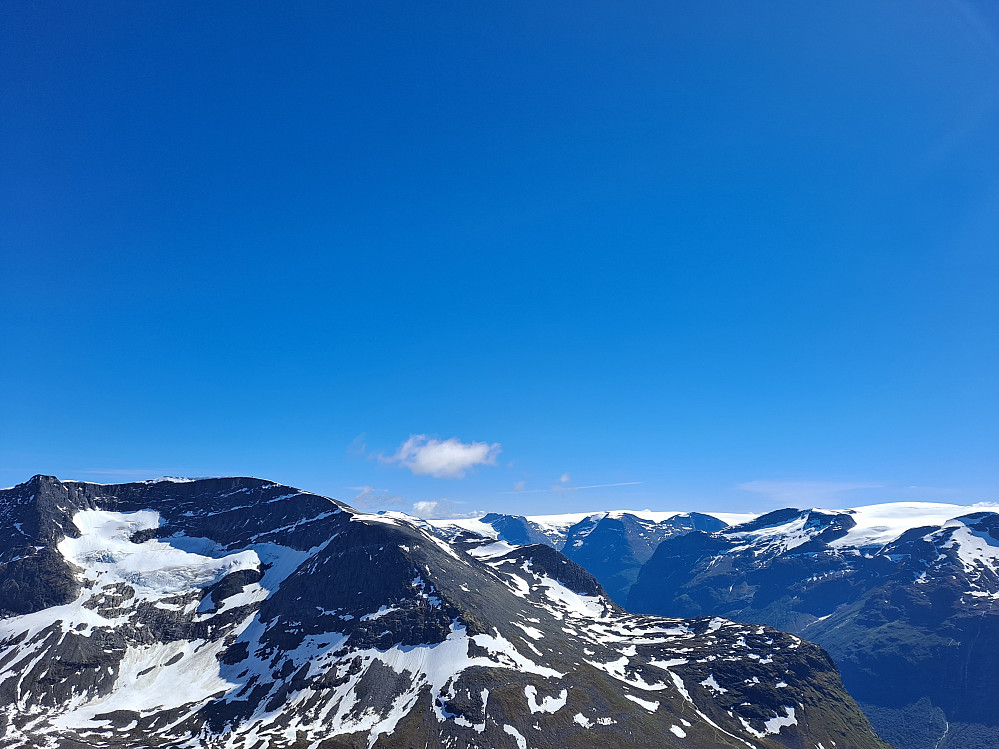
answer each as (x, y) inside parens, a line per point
(977, 115)
(557, 488)
(978, 27)
(368, 497)
(810, 493)
(450, 458)
(565, 478)
(357, 445)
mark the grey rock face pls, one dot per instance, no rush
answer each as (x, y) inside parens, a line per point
(239, 613)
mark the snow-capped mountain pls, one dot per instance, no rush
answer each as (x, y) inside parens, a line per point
(243, 614)
(611, 546)
(905, 597)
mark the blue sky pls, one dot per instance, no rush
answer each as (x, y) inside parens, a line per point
(692, 255)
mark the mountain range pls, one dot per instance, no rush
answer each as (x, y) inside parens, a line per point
(904, 596)
(612, 546)
(241, 613)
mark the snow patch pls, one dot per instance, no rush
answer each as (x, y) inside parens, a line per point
(521, 741)
(713, 685)
(153, 568)
(548, 704)
(647, 704)
(877, 525)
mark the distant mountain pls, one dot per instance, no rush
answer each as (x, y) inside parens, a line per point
(241, 614)
(905, 597)
(611, 546)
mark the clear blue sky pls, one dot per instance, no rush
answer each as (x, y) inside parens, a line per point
(738, 253)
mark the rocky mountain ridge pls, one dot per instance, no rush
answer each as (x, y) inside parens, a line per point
(240, 613)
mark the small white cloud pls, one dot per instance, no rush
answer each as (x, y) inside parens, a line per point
(566, 478)
(810, 493)
(441, 508)
(450, 458)
(519, 486)
(426, 509)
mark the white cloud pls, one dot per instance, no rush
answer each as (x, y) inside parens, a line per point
(440, 508)
(450, 458)
(566, 478)
(519, 486)
(427, 509)
(808, 493)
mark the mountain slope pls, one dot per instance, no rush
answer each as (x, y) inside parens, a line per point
(905, 599)
(239, 613)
